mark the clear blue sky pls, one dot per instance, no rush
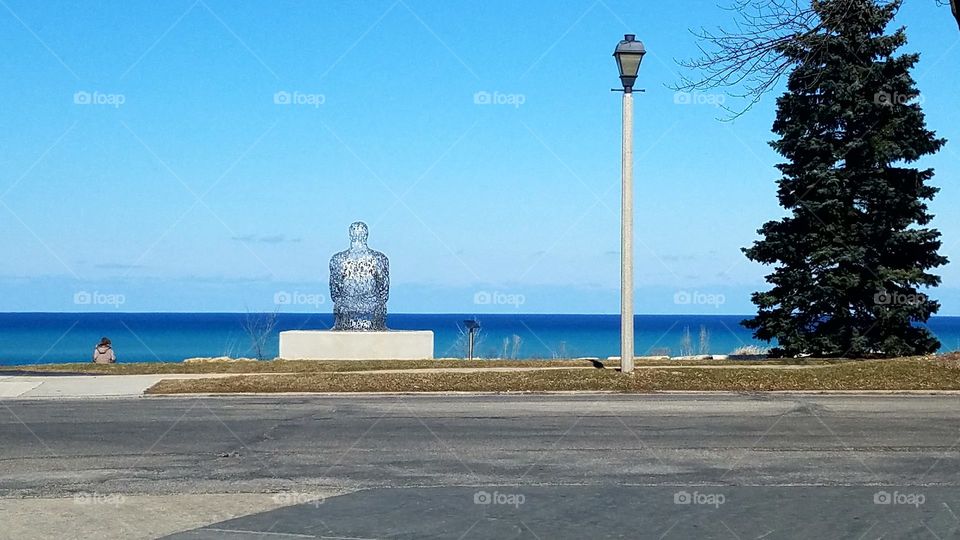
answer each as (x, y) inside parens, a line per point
(199, 193)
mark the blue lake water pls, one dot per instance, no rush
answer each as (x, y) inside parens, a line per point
(27, 338)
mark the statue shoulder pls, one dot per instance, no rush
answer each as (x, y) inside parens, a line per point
(338, 258)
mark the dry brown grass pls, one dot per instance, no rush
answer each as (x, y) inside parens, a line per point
(931, 373)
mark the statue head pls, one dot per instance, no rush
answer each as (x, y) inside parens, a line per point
(358, 232)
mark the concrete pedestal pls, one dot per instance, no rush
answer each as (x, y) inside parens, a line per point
(330, 345)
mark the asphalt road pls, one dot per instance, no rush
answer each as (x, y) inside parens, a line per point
(510, 466)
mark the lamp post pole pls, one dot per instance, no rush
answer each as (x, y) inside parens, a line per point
(626, 239)
(629, 54)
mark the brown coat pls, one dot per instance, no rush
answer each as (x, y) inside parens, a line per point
(103, 354)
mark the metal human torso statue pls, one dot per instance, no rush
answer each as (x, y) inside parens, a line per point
(359, 284)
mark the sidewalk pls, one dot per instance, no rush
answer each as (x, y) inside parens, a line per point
(133, 516)
(85, 386)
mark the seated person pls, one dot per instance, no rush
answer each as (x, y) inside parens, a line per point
(103, 353)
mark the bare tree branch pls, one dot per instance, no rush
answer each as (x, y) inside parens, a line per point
(259, 327)
(747, 60)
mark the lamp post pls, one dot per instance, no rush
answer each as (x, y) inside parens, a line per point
(473, 327)
(629, 53)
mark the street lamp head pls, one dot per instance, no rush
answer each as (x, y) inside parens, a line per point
(629, 53)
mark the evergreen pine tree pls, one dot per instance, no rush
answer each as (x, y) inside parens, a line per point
(854, 251)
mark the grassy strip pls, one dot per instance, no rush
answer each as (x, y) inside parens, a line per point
(904, 374)
(324, 366)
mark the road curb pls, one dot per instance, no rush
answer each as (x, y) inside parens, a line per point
(906, 393)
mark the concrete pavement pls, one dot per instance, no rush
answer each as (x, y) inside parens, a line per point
(411, 466)
(54, 386)
(131, 517)
(603, 512)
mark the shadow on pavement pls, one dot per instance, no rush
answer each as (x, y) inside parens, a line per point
(607, 512)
